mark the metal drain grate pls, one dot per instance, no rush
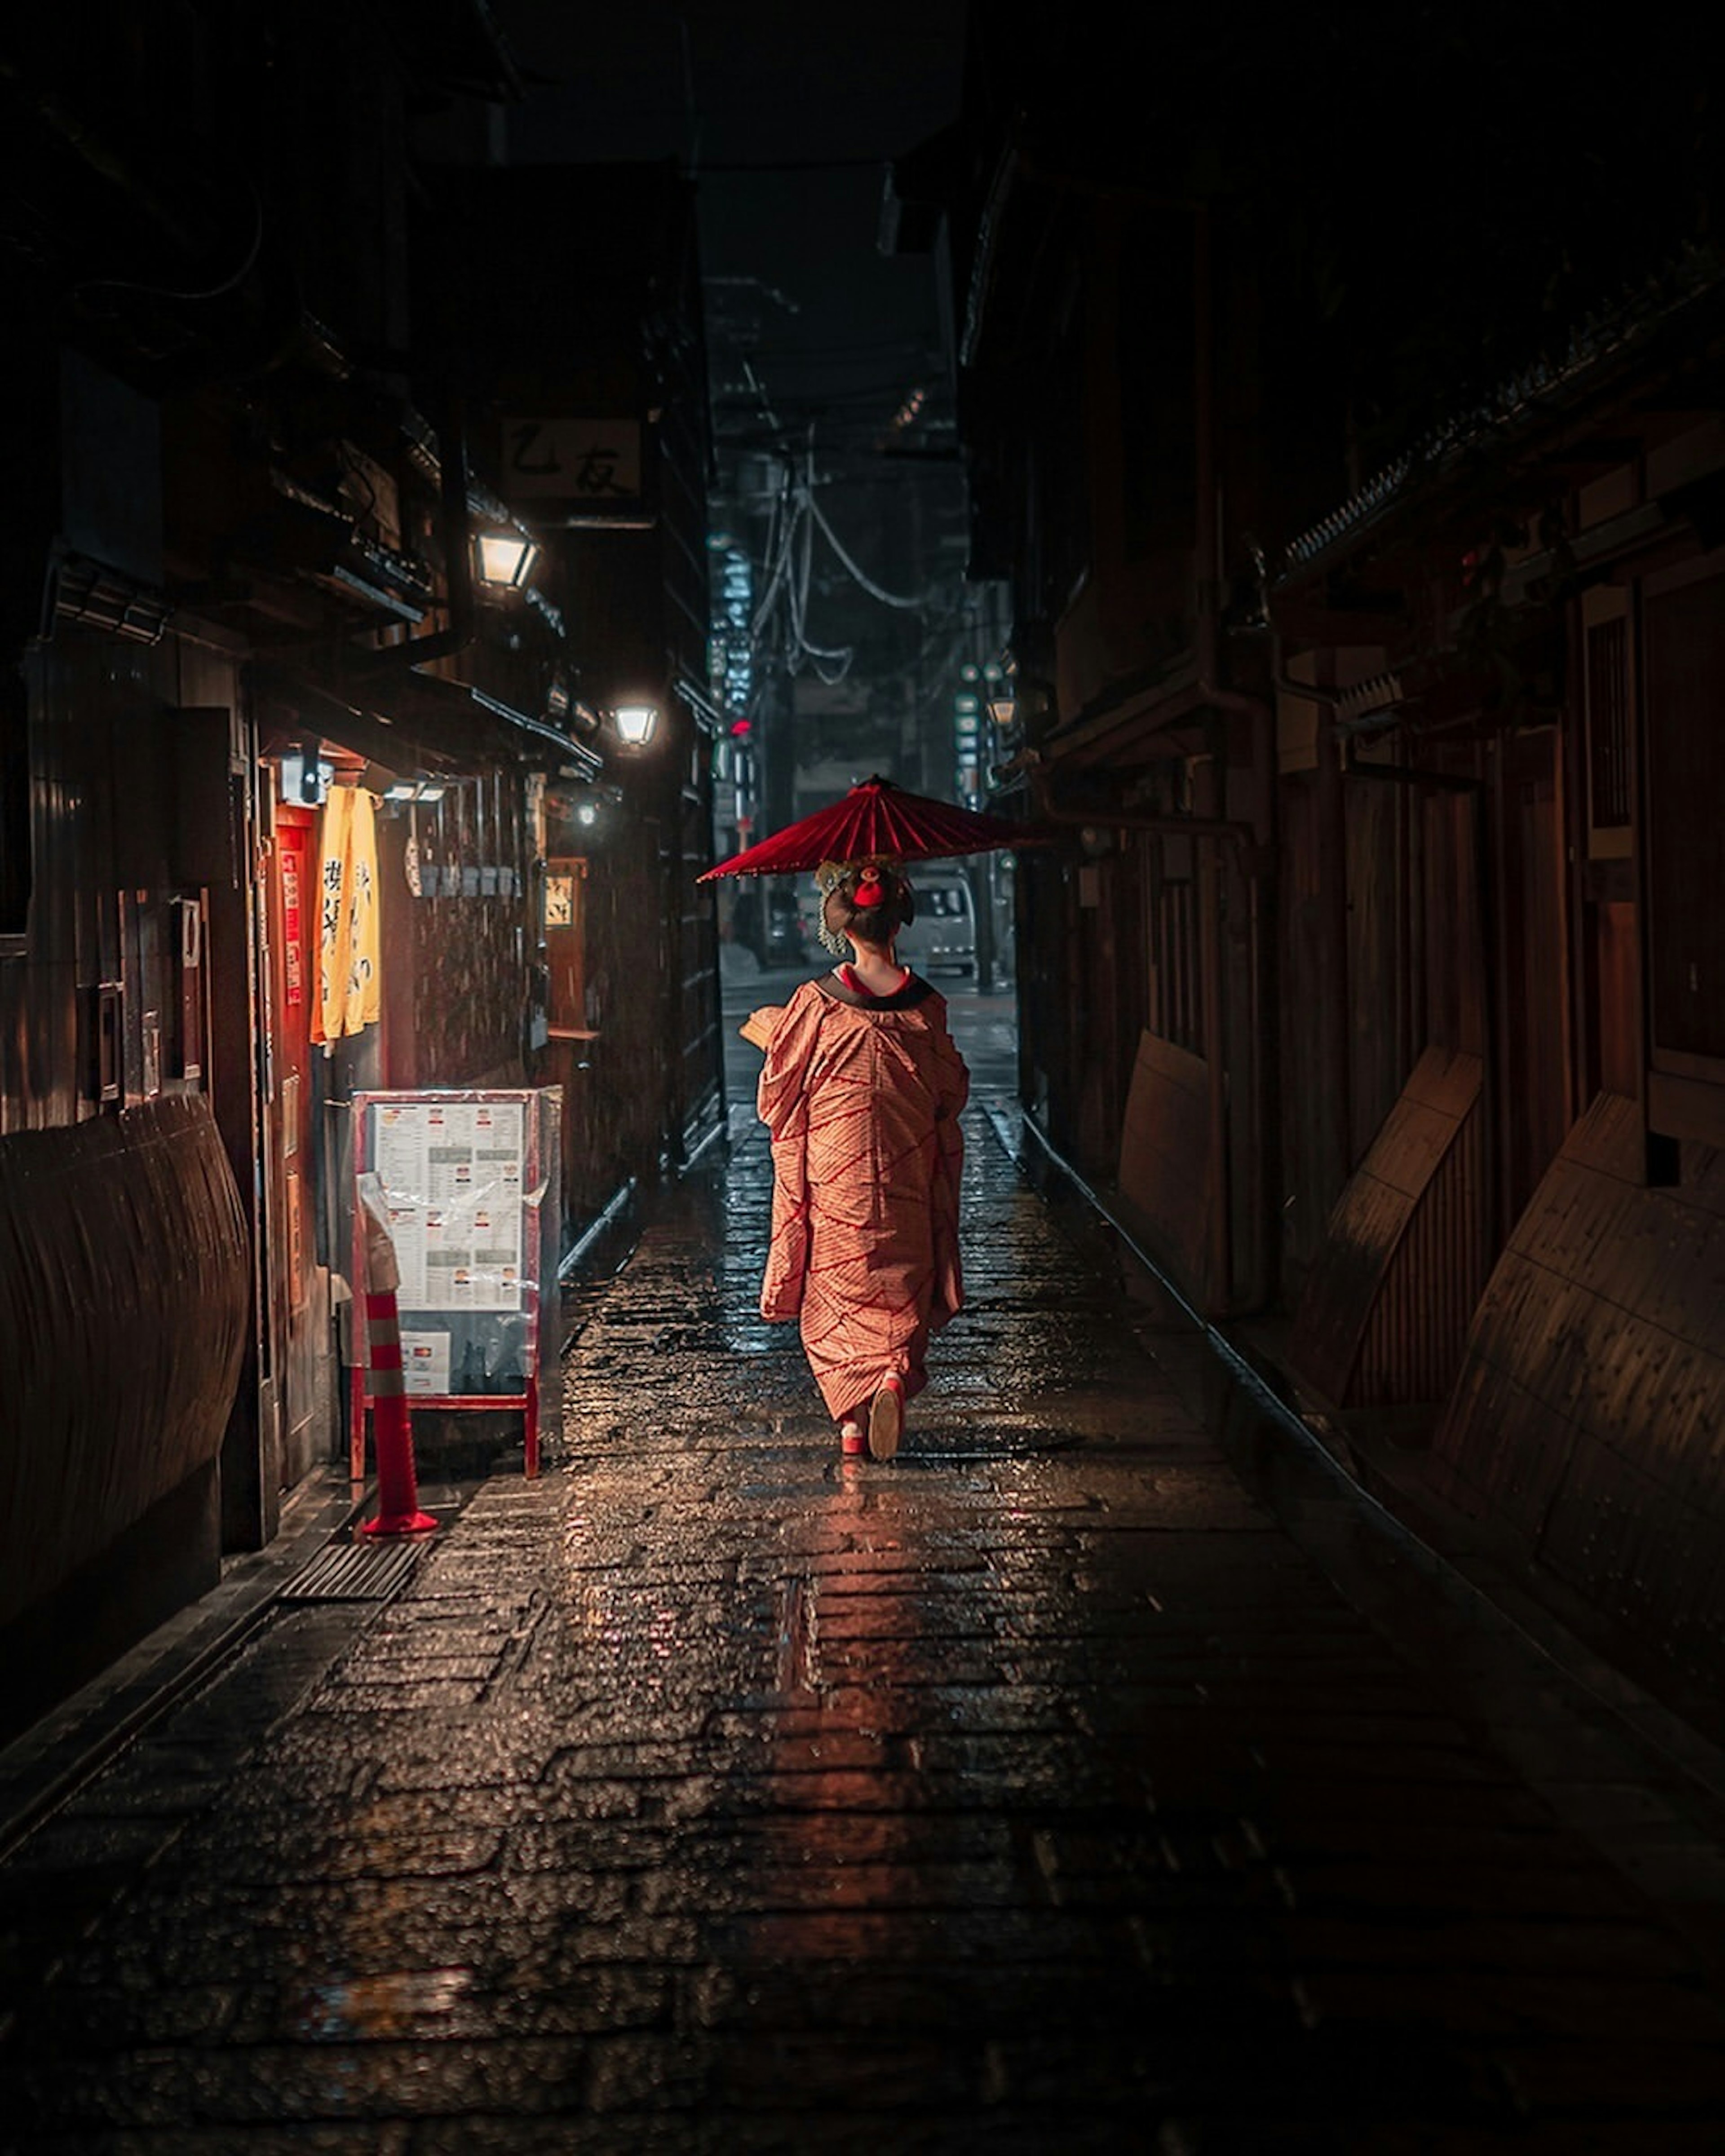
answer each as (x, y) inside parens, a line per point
(354, 1572)
(936, 1448)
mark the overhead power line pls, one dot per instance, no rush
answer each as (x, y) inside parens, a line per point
(910, 605)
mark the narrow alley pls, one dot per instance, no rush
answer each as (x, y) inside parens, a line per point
(1037, 1791)
(533, 531)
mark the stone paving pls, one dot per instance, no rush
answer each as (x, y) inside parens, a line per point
(1034, 1793)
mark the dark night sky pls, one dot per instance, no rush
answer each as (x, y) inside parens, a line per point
(767, 84)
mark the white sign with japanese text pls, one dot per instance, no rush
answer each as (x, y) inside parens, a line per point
(453, 1173)
(595, 462)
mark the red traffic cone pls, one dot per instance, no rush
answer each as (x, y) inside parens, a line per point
(397, 1478)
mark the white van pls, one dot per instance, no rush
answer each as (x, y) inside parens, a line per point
(942, 938)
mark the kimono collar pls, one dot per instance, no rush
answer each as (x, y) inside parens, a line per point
(915, 990)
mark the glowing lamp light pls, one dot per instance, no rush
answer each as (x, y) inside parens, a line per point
(1002, 711)
(506, 559)
(636, 724)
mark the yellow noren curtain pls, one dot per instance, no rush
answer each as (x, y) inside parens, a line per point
(349, 986)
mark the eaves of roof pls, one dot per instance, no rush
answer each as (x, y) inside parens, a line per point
(1543, 395)
(412, 722)
(1126, 712)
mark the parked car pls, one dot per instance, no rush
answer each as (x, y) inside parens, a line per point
(764, 919)
(942, 939)
(780, 943)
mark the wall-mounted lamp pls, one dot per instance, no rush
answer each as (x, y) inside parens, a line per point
(636, 724)
(1004, 711)
(306, 775)
(505, 560)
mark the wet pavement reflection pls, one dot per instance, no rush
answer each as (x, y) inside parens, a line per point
(1039, 1791)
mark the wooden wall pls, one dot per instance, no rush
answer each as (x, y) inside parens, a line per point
(1385, 1308)
(466, 938)
(1167, 1169)
(1316, 1150)
(124, 1248)
(1587, 1417)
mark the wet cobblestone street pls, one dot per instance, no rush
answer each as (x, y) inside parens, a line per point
(1035, 1791)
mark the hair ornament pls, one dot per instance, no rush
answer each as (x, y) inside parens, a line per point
(864, 884)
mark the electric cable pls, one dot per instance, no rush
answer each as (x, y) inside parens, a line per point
(917, 605)
(227, 284)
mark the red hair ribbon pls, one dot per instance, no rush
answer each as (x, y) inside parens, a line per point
(870, 890)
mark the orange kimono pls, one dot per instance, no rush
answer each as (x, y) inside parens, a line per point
(862, 1095)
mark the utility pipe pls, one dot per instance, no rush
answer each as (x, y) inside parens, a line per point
(1029, 764)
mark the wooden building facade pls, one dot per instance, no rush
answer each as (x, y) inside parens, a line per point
(1367, 636)
(283, 761)
(1531, 1242)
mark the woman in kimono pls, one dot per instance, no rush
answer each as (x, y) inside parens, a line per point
(861, 1091)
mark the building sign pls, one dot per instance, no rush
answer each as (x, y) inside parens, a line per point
(350, 978)
(559, 901)
(425, 1362)
(293, 952)
(453, 1173)
(471, 1180)
(594, 462)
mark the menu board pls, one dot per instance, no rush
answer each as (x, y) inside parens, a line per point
(454, 1174)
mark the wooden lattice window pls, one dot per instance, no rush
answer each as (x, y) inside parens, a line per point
(1608, 681)
(1175, 933)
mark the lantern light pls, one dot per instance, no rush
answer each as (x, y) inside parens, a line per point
(506, 559)
(636, 724)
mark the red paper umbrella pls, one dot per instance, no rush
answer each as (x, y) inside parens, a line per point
(875, 821)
